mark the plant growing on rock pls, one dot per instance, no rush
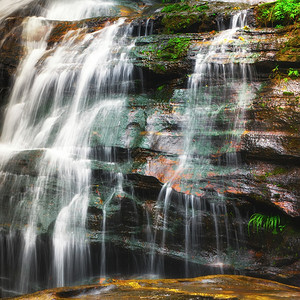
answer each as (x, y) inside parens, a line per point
(174, 49)
(293, 73)
(286, 75)
(263, 222)
(281, 12)
(179, 23)
(176, 7)
(287, 10)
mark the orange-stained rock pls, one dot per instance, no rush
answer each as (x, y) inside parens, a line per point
(221, 287)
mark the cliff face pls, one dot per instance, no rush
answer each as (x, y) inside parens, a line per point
(151, 140)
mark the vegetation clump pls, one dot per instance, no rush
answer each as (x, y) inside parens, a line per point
(290, 51)
(264, 222)
(174, 49)
(276, 171)
(279, 13)
(286, 75)
(179, 23)
(171, 50)
(293, 73)
(177, 7)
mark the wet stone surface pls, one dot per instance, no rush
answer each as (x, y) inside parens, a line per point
(220, 287)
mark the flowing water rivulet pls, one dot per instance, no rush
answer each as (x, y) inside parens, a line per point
(68, 114)
(216, 83)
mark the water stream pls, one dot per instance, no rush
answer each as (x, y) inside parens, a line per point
(217, 76)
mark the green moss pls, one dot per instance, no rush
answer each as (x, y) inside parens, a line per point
(176, 7)
(288, 94)
(175, 48)
(179, 23)
(276, 171)
(171, 50)
(291, 50)
(294, 42)
(159, 68)
(179, 7)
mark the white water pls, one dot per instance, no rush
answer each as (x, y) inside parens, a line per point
(212, 64)
(52, 109)
(78, 9)
(218, 63)
(61, 9)
(8, 6)
(70, 10)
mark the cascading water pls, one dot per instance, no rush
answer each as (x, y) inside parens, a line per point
(54, 102)
(7, 7)
(219, 81)
(60, 160)
(77, 10)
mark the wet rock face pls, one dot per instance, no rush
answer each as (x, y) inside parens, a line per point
(269, 147)
(272, 143)
(11, 52)
(208, 287)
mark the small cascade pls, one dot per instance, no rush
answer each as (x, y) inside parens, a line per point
(149, 27)
(219, 81)
(145, 28)
(117, 191)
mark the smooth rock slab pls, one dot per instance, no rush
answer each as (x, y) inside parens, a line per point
(208, 288)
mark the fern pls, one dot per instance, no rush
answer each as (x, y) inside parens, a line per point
(263, 222)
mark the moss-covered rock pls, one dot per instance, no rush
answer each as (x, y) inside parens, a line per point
(148, 141)
(194, 16)
(163, 54)
(290, 50)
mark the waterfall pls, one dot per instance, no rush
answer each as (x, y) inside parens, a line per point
(72, 196)
(219, 81)
(57, 95)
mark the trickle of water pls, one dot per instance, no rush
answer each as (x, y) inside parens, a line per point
(149, 27)
(118, 190)
(218, 63)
